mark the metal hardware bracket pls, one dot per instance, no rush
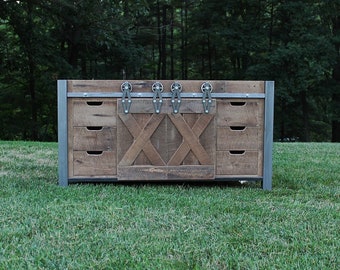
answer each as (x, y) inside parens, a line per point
(206, 89)
(157, 89)
(176, 89)
(126, 88)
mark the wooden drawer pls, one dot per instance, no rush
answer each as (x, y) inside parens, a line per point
(94, 163)
(94, 139)
(241, 112)
(93, 112)
(239, 163)
(239, 138)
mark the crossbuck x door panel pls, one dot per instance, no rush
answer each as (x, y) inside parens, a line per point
(166, 146)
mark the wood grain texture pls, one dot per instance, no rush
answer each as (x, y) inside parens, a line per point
(89, 165)
(189, 172)
(85, 139)
(102, 113)
(191, 139)
(146, 85)
(231, 113)
(142, 145)
(142, 139)
(250, 138)
(248, 163)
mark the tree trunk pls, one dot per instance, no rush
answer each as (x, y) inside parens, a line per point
(184, 39)
(172, 65)
(159, 41)
(305, 116)
(336, 93)
(31, 77)
(163, 58)
(209, 57)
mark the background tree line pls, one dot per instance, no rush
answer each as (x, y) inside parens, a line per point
(296, 43)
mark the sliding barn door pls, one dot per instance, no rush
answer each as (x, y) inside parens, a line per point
(166, 145)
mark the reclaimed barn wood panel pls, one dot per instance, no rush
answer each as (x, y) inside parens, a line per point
(94, 163)
(239, 138)
(238, 162)
(249, 113)
(94, 112)
(94, 138)
(103, 141)
(165, 140)
(107, 86)
(184, 172)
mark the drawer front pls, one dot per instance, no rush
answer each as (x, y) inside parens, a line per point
(248, 113)
(94, 163)
(94, 139)
(239, 138)
(239, 163)
(94, 112)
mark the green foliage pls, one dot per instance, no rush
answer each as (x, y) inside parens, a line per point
(294, 43)
(170, 226)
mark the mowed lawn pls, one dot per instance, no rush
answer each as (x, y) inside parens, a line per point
(170, 226)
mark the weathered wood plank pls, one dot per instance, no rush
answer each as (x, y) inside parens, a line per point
(143, 173)
(142, 139)
(248, 113)
(92, 164)
(190, 158)
(191, 139)
(197, 129)
(239, 138)
(147, 173)
(94, 138)
(191, 172)
(94, 112)
(70, 137)
(238, 163)
(146, 85)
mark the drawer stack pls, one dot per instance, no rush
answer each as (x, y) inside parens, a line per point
(239, 138)
(92, 138)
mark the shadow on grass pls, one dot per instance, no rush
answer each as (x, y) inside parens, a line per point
(185, 184)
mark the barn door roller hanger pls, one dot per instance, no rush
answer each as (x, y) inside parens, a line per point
(176, 96)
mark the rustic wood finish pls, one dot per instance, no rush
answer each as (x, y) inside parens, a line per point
(105, 142)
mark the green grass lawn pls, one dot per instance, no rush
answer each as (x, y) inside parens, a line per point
(170, 226)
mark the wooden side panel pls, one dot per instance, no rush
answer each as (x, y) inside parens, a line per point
(94, 112)
(89, 164)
